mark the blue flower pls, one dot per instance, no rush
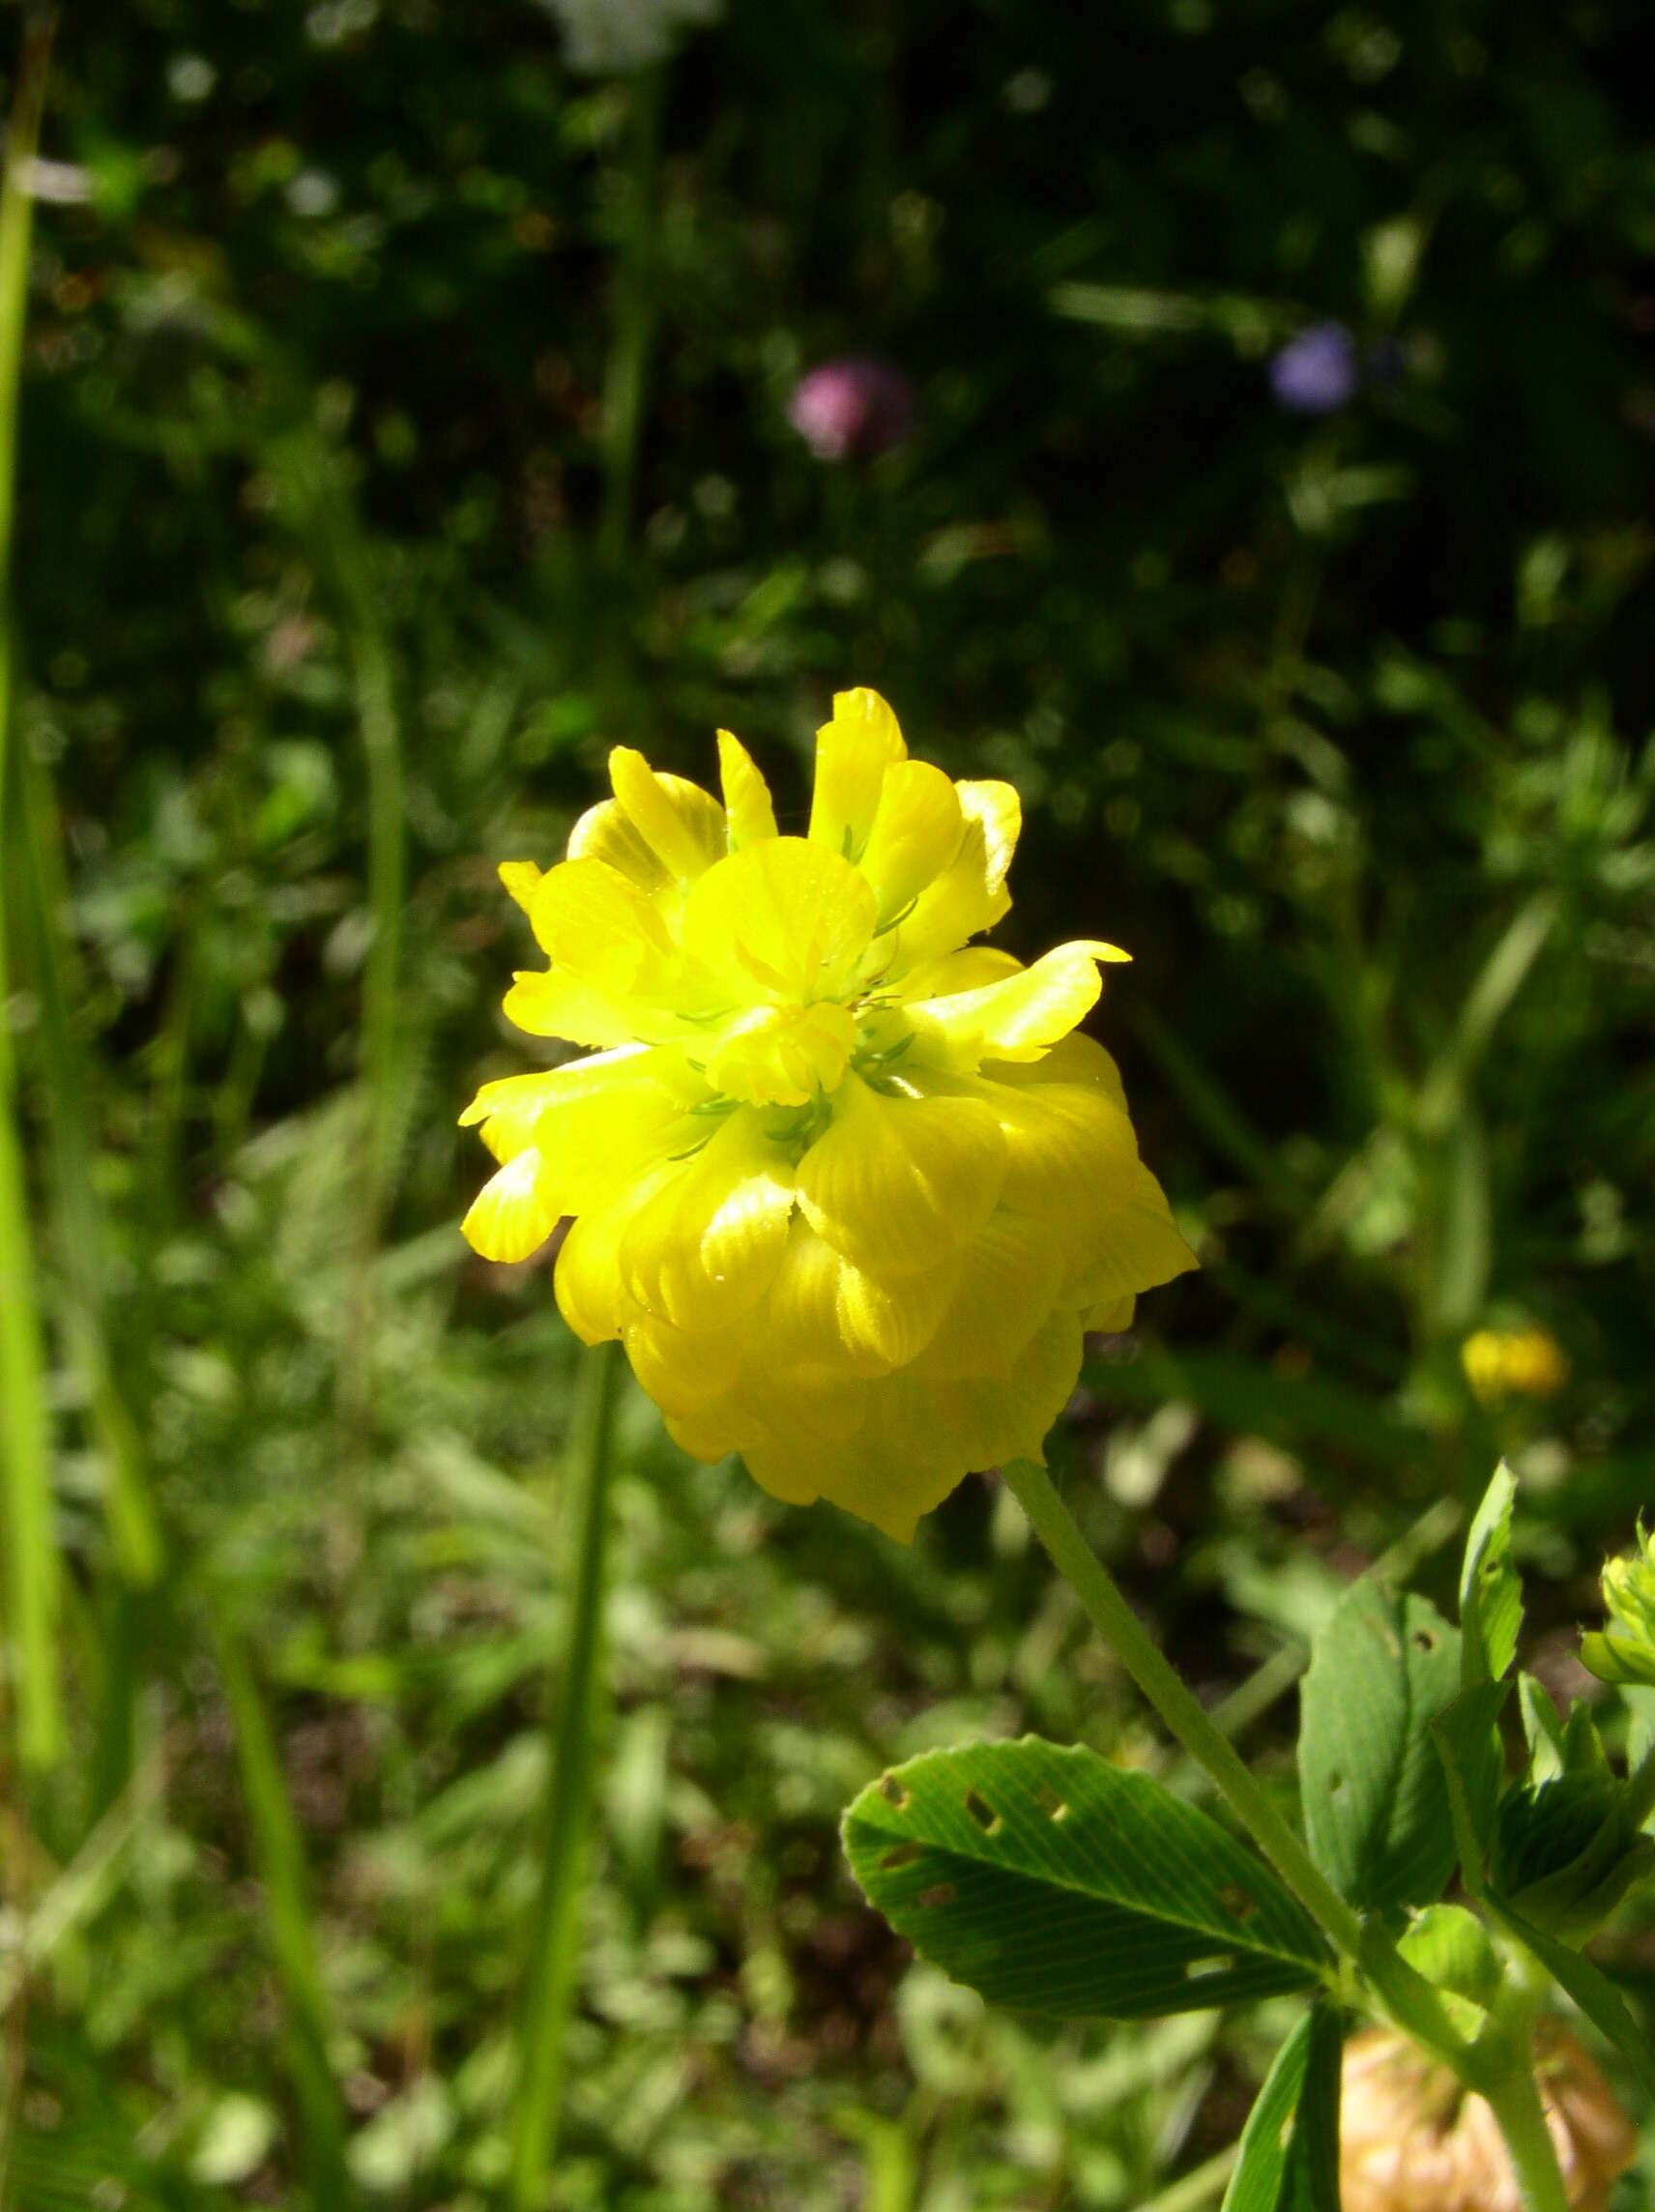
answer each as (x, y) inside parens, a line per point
(1316, 373)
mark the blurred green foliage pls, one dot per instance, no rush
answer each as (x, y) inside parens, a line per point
(405, 421)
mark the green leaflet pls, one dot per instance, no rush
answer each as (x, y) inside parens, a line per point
(1376, 1814)
(1491, 1590)
(1051, 1881)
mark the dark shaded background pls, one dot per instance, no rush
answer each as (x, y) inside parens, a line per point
(405, 422)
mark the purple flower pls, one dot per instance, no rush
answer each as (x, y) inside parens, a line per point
(854, 407)
(1316, 372)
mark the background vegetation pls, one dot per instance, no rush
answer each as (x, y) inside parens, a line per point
(403, 420)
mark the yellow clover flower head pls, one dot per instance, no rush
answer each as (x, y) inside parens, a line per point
(1503, 1363)
(1624, 1652)
(846, 1187)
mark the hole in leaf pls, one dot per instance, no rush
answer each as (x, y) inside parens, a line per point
(939, 1893)
(893, 1791)
(1054, 1807)
(982, 1812)
(1425, 1639)
(1204, 1970)
(1237, 1902)
(898, 1855)
(1338, 1787)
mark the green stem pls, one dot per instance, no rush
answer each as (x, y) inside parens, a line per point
(548, 1992)
(32, 1571)
(1410, 2000)
(1514, 2098)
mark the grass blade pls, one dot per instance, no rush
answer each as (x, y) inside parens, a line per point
(25, 1463)
(279, 1848)
(134, 1526)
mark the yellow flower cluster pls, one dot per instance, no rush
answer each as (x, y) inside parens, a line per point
(1501, 1363)
(844, 1184)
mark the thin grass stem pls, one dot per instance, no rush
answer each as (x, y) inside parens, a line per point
(548, 1994)
(279, 1849)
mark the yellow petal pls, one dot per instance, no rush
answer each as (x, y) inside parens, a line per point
(601, 1124)
(591, 1295)
(961, 903)
(1008, 1281)
(894, 1318)
(917, 831)
(1072, 1163)
(852, 752)
(681, 824)
(999, 810)
(862, 1476)
(799, 1467)
(1067, 1134)
(895, 1183)
(781, 919)
(596, 926)
(1017, 1018)
(608, 834)
(966, 969)
(683, 1374)
(984, 1421)
(515, 1213)
(794, 1339)
(546, 1004)
(702, 1433)
(522, 879)
(703, 1243)
(1079, 1060)
(781, 1056)
(1111, 1317)
(746, 795)
(1136, 1247)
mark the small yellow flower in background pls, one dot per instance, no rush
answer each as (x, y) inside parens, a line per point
(1503, 1363)
(847, 1187)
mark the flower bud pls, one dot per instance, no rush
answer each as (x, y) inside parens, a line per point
(1410, 2136)
(1625, 1651)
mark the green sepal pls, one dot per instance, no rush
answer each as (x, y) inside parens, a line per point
(1618, 1659)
